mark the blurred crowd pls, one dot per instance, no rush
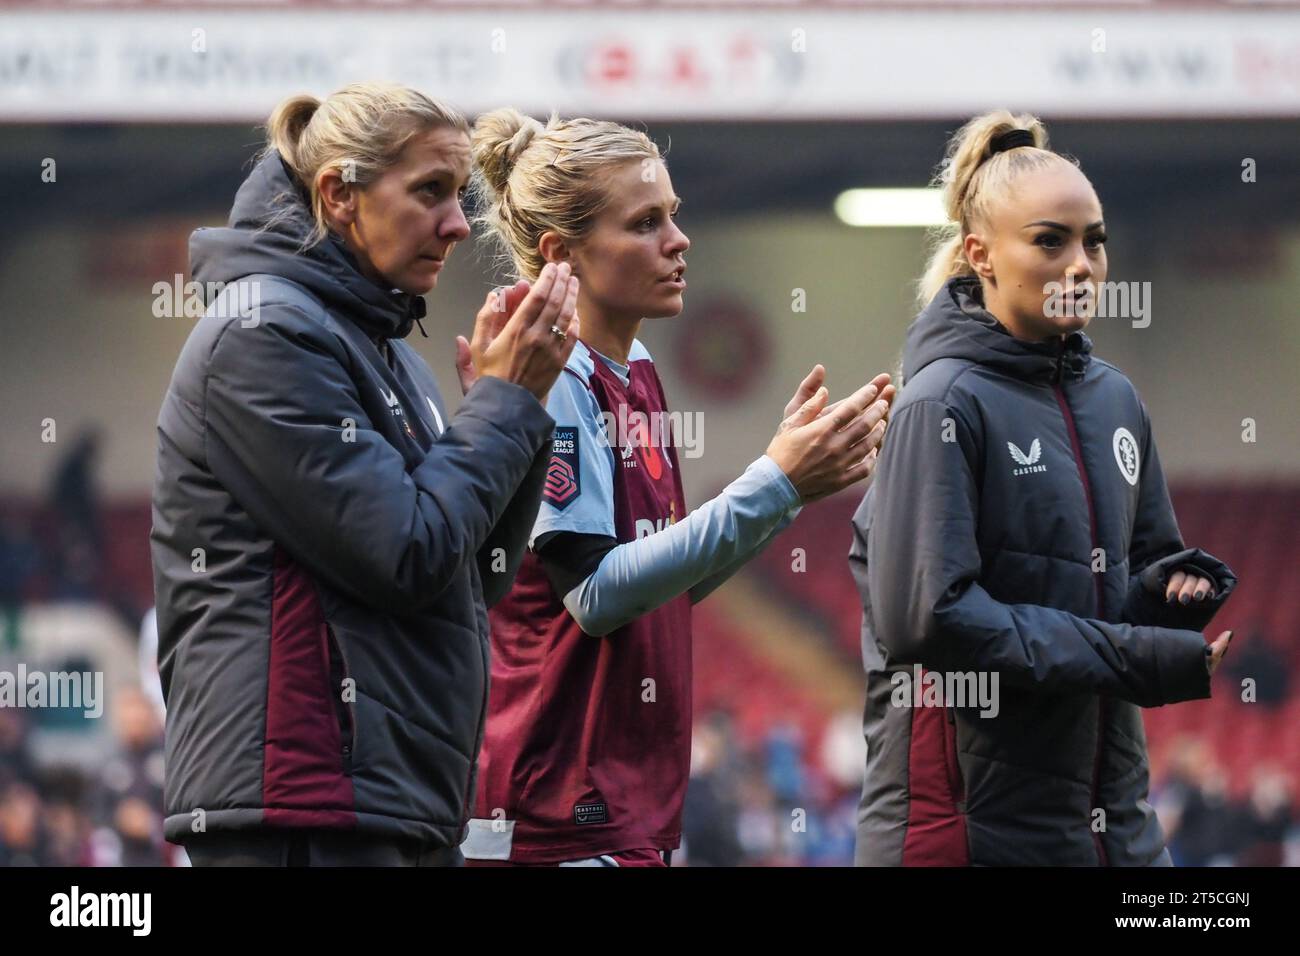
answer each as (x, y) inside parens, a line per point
(1205, 826)
(766, 804)
(60, 803)
(55, 813)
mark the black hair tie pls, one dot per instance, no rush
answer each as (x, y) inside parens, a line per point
(1010, 140)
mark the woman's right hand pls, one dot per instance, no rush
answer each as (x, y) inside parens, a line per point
(524, 350)
(823, 450)
(1218, 649)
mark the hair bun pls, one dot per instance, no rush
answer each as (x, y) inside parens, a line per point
(500, 138)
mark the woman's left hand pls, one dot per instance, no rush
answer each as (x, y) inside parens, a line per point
(817, 378)
(1184, 587)
(806, 390)
(814, 381)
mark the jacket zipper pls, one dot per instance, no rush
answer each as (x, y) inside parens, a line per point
(342, 712)
(955, 781)
(1092, 529)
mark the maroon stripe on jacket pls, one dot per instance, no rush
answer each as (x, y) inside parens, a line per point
(303, 783)
(936, 828)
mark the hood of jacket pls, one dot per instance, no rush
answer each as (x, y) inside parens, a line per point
(268, 226)
(956, 325)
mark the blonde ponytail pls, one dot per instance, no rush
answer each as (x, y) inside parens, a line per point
(284, 128)
(973, 177)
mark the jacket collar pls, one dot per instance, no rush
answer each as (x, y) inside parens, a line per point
(956, 325)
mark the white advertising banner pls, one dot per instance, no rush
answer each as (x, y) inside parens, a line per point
(222, 63)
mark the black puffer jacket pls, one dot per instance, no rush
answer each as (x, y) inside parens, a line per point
(1018, 533)
(322, 544)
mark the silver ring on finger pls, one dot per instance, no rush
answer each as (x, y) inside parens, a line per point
(559, 333)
